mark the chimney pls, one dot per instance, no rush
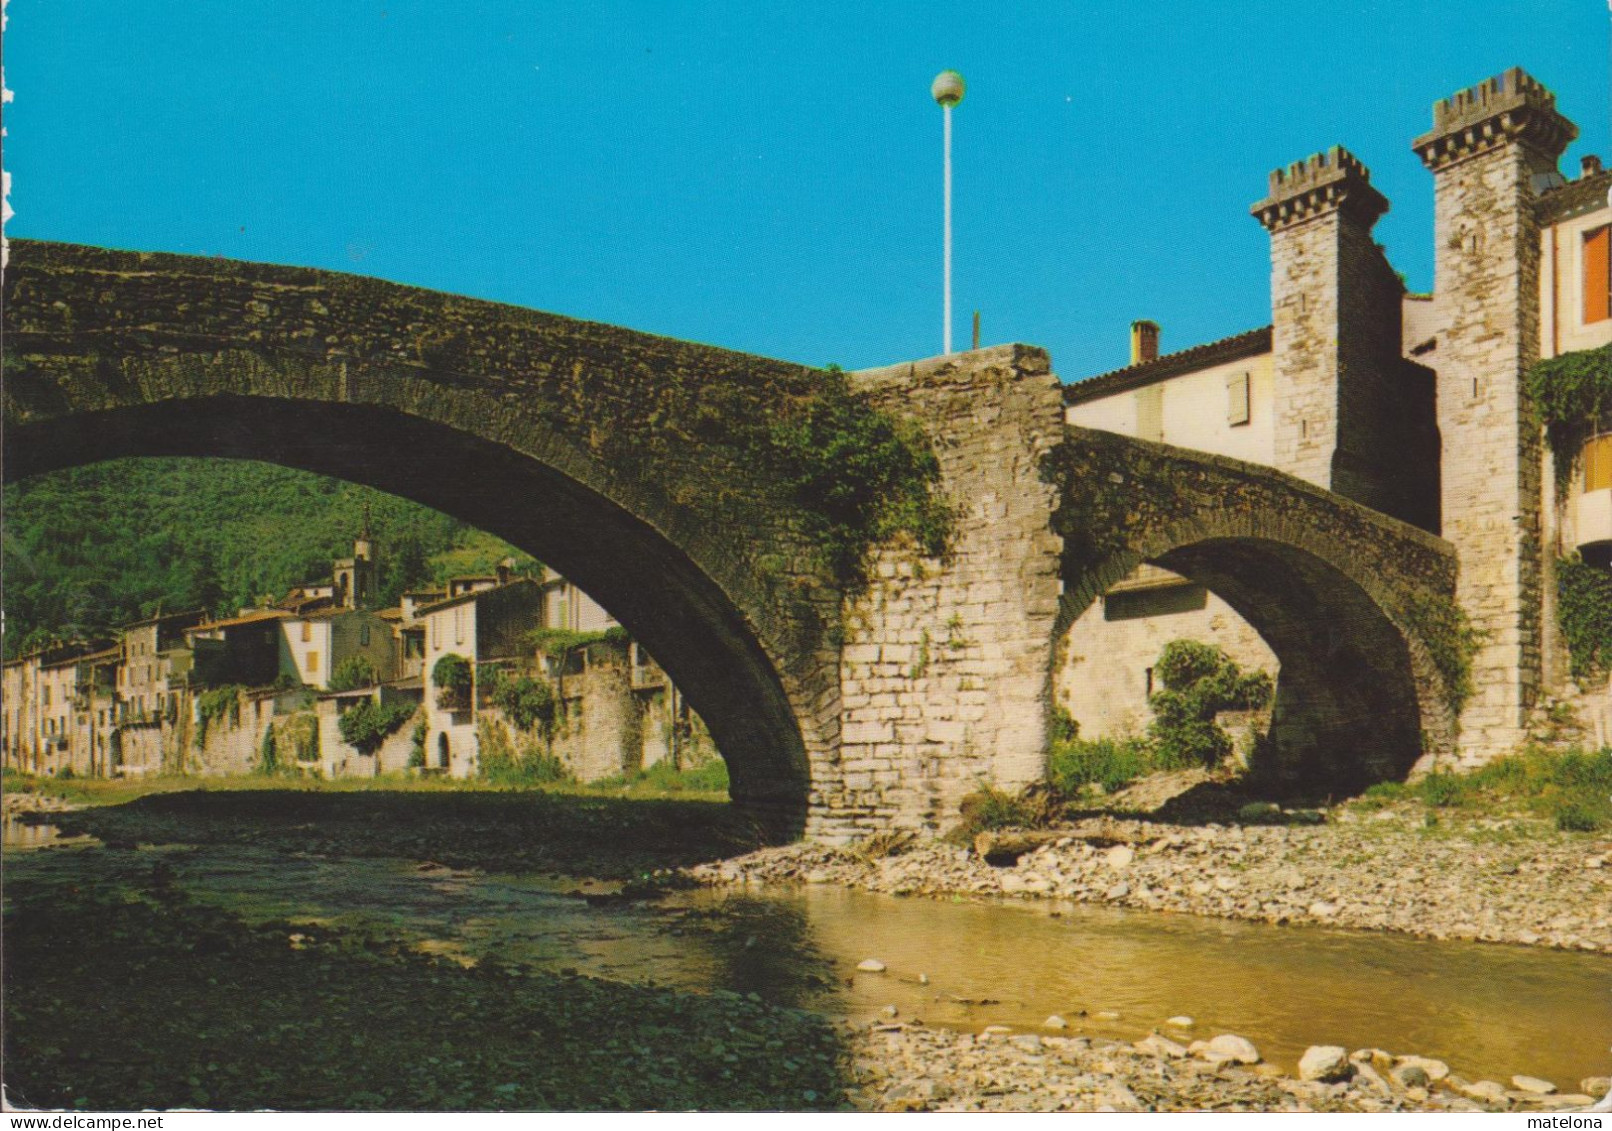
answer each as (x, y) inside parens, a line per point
(1589, 165)
(505, 568)
(1144, 341)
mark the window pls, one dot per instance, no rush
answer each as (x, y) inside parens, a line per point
(1598, 275)
(363, 635)
(313, 662)
(1237, 399)
(459, 625)
(1150, 413)
(1598, 463)
(307, 632)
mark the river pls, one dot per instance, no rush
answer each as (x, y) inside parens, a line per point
(1488, 1010)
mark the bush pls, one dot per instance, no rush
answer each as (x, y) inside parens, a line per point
(991, 808)
(453, 677)
(1110, 763)
(365, 725)
(1574, 817)
(353, 673)
(417, 746)
(528, 703)
(501, 762)
(1199, 681)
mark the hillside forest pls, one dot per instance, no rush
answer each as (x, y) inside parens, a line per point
(90, 548)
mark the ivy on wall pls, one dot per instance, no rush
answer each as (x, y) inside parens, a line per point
(1451, 643)
(861, 475)
(1571, 394)
(1584, 608)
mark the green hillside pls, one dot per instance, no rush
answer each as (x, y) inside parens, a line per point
(93, 547)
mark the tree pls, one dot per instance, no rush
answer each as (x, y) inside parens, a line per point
(452, 676)
(353, 673)
(1200, 681)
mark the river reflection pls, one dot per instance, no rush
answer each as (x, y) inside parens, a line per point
(1489, 1010)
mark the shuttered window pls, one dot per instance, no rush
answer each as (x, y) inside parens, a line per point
(1598, 463)
(1237, 399)
(1598, 275)
(1150, 413)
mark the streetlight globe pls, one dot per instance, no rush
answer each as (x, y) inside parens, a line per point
(947, 89)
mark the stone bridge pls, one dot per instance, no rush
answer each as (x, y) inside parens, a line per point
(627, 462)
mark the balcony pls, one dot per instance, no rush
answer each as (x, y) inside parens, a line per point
(1593, 520)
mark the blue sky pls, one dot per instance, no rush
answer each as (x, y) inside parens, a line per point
(760, 176)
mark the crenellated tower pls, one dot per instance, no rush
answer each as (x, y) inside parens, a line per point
(1492, 149)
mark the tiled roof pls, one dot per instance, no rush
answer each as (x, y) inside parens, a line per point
(252, 617)
(1582, 195)
(1247, 344)
(473, 595)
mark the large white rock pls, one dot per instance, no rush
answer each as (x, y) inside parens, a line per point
(1120, 856)
(1326, 1063)
(871, 966)
(1533, 1084)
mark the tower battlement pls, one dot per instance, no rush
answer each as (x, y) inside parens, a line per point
(1334, 179)
(1511, 106)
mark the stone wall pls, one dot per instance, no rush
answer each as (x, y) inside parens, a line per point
(1102, 674)
(601, 736)
(945, 671)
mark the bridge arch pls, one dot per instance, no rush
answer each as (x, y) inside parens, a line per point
(1351, 602)
(542, 430)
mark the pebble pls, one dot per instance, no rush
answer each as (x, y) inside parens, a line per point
(1055, 1022)
(871, 966)
(1533, 1085)
(1181, 1021)
(1250, 873)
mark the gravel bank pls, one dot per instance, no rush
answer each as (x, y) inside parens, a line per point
(907, 1068)
(1492, 880)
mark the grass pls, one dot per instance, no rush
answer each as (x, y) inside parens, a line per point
(709, 779)
(1074, 764)
(1573, 789)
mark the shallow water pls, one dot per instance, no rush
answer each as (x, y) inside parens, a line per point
(1490, 1011)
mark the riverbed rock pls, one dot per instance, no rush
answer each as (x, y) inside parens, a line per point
(1436, 1069)
(1485, 1091)
(1181, 1021)
(871, 966)
(1156, 1044)
(1326, 1063)
(1596, 1085)
(1118, 891)
(1229, 1046)
(1533, 1085)
(1410, 1076)
(1120, 857)
(1055, 1022)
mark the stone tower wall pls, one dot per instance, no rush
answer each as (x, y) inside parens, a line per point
(1487, 145)
(1351, 414)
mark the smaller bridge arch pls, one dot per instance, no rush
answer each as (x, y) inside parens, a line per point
(1358, 607)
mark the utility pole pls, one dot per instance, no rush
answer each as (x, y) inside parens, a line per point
(947, 90)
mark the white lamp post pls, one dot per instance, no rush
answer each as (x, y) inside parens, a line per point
(947, 89)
